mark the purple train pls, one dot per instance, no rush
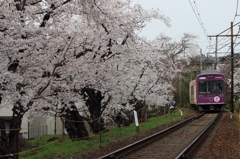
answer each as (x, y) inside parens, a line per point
(208, 91)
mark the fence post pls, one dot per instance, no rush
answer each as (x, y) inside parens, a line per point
(238, 117)
(168, 112)
(141, 119)
(17, 141)
(158, 114)
(238, 127)
(109, 121)
(62, 138)
(146, 115)
(142, 116)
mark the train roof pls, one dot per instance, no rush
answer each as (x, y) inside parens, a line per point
(209, 71)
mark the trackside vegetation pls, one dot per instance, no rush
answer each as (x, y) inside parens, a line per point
(55, 146)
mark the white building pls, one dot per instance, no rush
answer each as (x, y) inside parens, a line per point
(45, 125)
(6, 114)
(39, 126)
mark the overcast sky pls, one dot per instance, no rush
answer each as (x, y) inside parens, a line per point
(215, 15)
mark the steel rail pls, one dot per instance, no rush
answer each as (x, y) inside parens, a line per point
(185, 153)
(127, 149)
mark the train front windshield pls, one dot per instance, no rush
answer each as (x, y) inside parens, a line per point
(210, 87)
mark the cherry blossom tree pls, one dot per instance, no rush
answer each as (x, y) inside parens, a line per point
(55, 48)
(237, 82)
(180, 54)
(147, 77)
(98, 59)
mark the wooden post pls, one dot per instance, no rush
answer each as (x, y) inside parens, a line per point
(169, 111)
(141, 119)
(62, 139)
(232, 61)
(110, 133)
(232, 69)
(238, 127)
(17, 141)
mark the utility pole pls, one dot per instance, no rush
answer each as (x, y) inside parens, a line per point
(201, 60)
(232, 61)
(180, 101)
(232, 67)
(215, 66)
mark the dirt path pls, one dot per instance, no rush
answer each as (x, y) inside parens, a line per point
(223, 141)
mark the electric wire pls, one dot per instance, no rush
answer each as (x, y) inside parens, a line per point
(199, 20)
(223, 43)
(228, 51)
(204, 29)
(197, 14)
(236, 11)
(236, 14)
(233, 22)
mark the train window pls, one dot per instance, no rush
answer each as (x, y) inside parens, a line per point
(192, 90)
(210, 87)
(216, 87)
(203, 87)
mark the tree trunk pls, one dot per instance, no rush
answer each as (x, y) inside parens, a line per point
(95, 107)
(9, 141)
(75, 126)
(122, 121)
(97, 123)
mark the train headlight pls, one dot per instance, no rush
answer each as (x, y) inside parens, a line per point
(216, 99)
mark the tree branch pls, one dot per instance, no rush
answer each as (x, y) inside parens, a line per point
(105, 28)
(105, 104)
(125, 40)
(48, 14)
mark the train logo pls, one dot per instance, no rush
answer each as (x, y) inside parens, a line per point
(217, 99)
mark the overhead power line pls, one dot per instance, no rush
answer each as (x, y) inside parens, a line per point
(228, 30)
(233, 23)
(197, 14)
(236, 14)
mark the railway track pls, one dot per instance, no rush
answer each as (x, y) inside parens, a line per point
(177, 141)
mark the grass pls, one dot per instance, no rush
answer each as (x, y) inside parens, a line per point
(67, 148)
